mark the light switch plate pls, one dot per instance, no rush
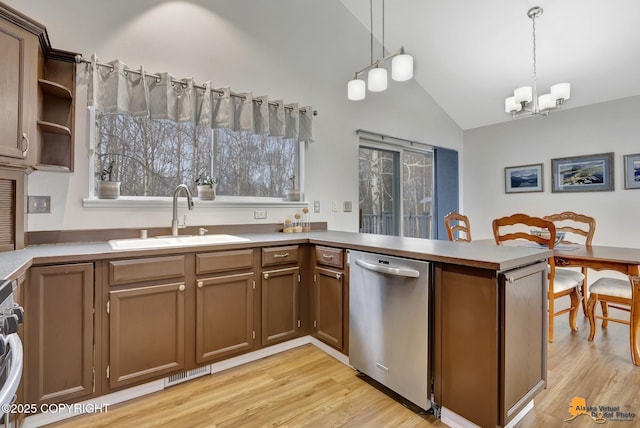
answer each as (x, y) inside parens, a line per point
(39, 204)
(347, 206)
(316, 206)
(334, 206)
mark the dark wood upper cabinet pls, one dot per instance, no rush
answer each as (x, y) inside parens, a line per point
(18, 87)
(37, 90)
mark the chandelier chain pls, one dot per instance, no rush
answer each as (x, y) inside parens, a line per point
(534, 50)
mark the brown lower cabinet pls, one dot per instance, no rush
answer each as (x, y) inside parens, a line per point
(489, 340)
(146, 332)
(59, 330)
(330, 297)
(280, 319)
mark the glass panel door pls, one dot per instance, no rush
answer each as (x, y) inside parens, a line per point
(396, 190)
(378, 184)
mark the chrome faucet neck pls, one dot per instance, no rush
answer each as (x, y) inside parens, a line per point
(174, 221)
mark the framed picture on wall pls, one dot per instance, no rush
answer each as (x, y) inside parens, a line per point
(632, 171)
(523, 178)
(589, 173)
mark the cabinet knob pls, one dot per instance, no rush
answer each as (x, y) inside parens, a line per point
(511, 279)
(200, 284)
(338, 276)
(266, 276)
(24, 144)
(182, 287)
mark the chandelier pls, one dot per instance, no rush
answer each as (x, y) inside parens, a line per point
(401, 68)
(525, 100)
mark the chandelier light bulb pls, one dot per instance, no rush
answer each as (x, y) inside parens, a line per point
(377, 79)
(546, 102)
(561, 91)
(402, 67)
(356, 90)
(511, 106)
(523, 94)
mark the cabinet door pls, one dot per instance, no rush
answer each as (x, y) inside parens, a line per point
(146, 328)
(280, 305)
(59, 333)
(224, 316)
(328, 306)
(18, 80)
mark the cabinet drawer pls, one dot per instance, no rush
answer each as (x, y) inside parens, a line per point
(139, 270)
(329, 256)
(279, 255)
(224, 261)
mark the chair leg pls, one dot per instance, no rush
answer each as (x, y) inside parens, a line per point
(605, 314)
(591, 312)
(585, 290)
(635, 324)
(575, 307)
(551, 316)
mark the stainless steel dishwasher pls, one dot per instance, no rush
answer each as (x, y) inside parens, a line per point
(389, 323)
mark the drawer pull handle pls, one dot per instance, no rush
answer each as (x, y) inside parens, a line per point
(266, 276)
(181, 288)
(280, 256)
(200, 284)
(25, 139)
(328, 256)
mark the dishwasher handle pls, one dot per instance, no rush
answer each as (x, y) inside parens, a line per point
(409, 273)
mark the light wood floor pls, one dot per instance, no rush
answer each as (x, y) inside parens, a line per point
(305, 387)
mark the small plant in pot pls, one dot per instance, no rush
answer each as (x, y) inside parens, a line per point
(106, 186)
(206, 187)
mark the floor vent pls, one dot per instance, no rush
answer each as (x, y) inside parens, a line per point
(185, 376)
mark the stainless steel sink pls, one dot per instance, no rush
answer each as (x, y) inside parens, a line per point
(174, 241)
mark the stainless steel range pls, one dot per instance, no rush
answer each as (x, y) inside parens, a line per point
(11, 315)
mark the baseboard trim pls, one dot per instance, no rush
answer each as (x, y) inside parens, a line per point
(454, 420)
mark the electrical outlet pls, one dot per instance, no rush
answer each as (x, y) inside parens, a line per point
(39, 204)
(334, 206)
(260, 214)
(347, 206)
(316, 206)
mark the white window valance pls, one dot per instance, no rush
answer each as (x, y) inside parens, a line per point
(116, 88)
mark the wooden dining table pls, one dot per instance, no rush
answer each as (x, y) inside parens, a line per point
(623, 260)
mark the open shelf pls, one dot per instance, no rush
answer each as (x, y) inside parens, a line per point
(54, 128)
(55, 89)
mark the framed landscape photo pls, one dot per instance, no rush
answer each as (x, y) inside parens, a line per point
(589, 173)
(632, 171)
(523, 178)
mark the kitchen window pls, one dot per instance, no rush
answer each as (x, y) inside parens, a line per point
(153, 132)
(152, 156)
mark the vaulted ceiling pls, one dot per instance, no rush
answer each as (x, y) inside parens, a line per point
(471, 55)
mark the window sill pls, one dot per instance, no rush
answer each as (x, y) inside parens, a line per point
(163, 202)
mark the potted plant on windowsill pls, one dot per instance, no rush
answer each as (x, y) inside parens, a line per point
(106, 186)
(206, 187)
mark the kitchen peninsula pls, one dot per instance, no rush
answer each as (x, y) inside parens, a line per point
(489, 302)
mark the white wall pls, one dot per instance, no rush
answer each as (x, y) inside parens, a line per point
(303, 51)
(600, 128)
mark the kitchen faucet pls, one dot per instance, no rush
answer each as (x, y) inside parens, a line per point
(174, 221)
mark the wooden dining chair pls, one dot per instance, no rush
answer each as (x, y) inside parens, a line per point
(611, 293)
(458, 227)
(579, 229)
(518, 227)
